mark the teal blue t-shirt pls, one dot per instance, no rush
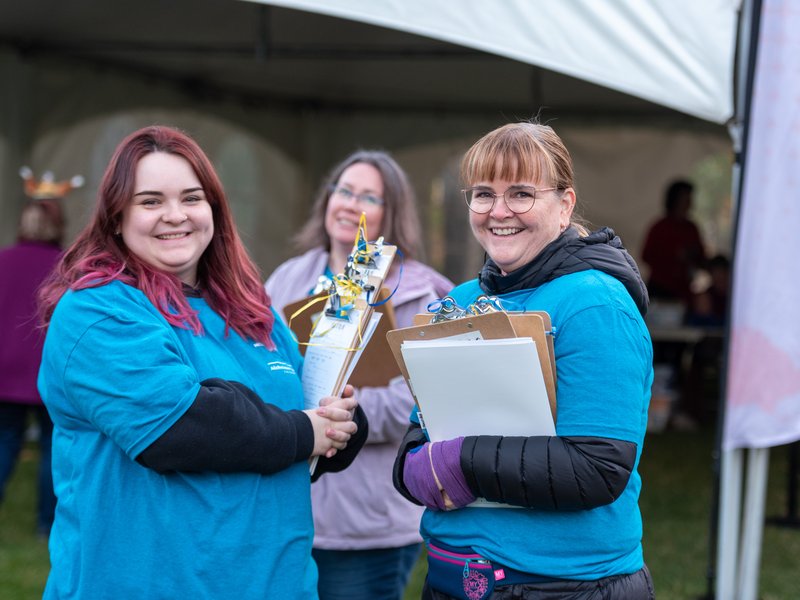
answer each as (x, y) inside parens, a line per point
(604, 368)
(114, 377)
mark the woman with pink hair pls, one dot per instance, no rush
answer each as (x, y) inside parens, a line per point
(180, 444)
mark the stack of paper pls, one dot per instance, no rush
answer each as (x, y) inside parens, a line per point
(478, 387)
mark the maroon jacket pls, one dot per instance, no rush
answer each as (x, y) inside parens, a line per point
(673, 249)
(23, 267)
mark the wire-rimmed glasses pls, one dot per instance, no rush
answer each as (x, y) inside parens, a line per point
(518, 198)
(347, 194)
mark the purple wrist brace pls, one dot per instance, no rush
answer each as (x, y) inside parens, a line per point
(445, 459)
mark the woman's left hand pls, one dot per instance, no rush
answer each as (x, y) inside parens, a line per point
(340, 409)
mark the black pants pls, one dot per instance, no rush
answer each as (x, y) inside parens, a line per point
(636, 586)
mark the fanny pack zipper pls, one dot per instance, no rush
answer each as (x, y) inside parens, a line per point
(468, 559)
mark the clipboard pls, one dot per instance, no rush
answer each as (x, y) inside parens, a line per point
(376, 367)
(335, 343)
(494, 325)
(425, 319)
(336, 339)
(536, 325)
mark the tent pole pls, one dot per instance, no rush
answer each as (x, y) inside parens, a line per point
(753, 530)
(729, 511)
(728, 464)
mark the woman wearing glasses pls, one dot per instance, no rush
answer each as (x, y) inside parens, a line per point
(573, 529)
(366, 535)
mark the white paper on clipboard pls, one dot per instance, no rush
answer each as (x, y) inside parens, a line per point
(479, 387)
(327, 354)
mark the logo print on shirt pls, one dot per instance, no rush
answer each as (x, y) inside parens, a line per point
(279, 365)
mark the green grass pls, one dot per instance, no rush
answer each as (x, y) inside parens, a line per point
(24, 559)
(676, 503)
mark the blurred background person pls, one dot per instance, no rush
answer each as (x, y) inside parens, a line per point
(708, 311)
(673, 247)
(366, 536)
(23, 267)
(180, 443)
(674, 251)
(708, 307)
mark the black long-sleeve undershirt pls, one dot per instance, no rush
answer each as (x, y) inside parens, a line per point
(229, 428)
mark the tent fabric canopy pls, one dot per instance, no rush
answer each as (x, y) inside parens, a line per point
(310, 86)
(619, 60)
(677, 53)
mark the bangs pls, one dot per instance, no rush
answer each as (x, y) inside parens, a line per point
(511, 155)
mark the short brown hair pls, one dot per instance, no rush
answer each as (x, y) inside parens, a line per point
(519, 151)
(401, 225)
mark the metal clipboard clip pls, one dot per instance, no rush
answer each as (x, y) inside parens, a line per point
(485, 304)
(445, 309)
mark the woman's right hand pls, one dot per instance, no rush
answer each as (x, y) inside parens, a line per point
(333, 425)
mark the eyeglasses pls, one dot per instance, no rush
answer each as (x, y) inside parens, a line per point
(347, 194)
(518, 198)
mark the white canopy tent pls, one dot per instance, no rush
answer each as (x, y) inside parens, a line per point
(678, 53)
